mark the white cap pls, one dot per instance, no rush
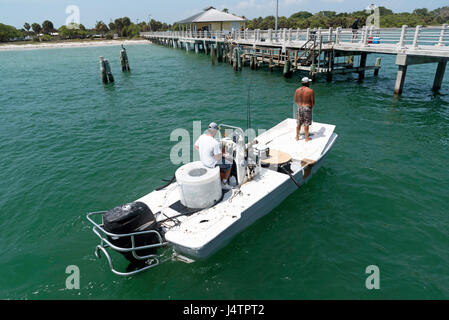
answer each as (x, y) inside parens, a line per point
(306, 80)
(213, 126)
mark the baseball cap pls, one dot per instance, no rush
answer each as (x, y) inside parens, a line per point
(213, 125)
(306, 80)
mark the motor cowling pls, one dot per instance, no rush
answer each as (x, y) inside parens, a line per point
(131, 218)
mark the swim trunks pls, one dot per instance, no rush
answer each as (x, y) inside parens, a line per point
(304, 116)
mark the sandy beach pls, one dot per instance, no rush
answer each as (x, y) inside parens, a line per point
(69, 44)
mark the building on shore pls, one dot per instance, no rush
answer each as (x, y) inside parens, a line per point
(210, 19)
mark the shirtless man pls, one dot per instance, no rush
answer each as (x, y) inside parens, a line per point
(305, 100)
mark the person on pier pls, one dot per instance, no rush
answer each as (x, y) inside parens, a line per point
(305, 100)
(355, 28)
(210, 154)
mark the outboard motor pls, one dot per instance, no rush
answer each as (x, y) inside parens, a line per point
(130, 218)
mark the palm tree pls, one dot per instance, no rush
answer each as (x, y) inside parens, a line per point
(47, 26)
(101, 27)
(36, 28)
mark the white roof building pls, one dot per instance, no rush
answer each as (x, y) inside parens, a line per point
(212, 20)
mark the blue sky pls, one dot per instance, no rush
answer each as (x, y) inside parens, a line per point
(16, 12)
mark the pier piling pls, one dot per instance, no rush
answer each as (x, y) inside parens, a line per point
(378, 62)
(105, 68)
(400, 80)
(439, 76)
(124, 60)
(219, 52)
(363, 58)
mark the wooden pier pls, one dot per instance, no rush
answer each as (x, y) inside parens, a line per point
(317, 51)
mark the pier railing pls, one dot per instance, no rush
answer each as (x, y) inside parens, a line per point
(398, 37)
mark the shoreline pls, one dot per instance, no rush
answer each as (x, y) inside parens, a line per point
(71, 44)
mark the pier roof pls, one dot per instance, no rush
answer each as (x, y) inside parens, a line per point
(211, 14)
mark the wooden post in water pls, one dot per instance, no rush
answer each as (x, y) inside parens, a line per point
(439, 76)
(287, 66)
(234, 59)
(376, 71)
(219, 52)
(212, 53)
(239, 60)
(224, 54)
(362, 65)
(330, 65)
(124, 60)
(104, 76)
(400, 80)
(105, 69)
(312, 71)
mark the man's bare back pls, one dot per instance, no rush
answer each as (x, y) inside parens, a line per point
(305, 97)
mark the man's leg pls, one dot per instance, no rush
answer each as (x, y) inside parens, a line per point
(226, 175)
(306, 129)
(298, 131)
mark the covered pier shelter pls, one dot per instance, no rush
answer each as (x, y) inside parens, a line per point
(211, 19)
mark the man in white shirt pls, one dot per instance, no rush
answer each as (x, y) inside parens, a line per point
(210, 154)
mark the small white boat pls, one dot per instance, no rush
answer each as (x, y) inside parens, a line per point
(196, 218)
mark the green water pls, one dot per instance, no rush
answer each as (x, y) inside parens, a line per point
(70, 145)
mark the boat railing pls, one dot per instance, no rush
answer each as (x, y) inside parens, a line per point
(150, 261)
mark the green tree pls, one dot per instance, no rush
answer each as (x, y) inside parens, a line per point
(126, 21)
(8, 32)
(27, 26)
(118, 23)
(384, 11)
(112, 26)
(47, 27)
(101, 27)
(301, 15)
(36, 28)
(131, 31)
(421, 12)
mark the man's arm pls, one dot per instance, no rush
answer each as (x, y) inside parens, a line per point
(196, 146)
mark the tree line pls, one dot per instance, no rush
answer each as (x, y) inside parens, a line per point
(123, 27)
(327, 19)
